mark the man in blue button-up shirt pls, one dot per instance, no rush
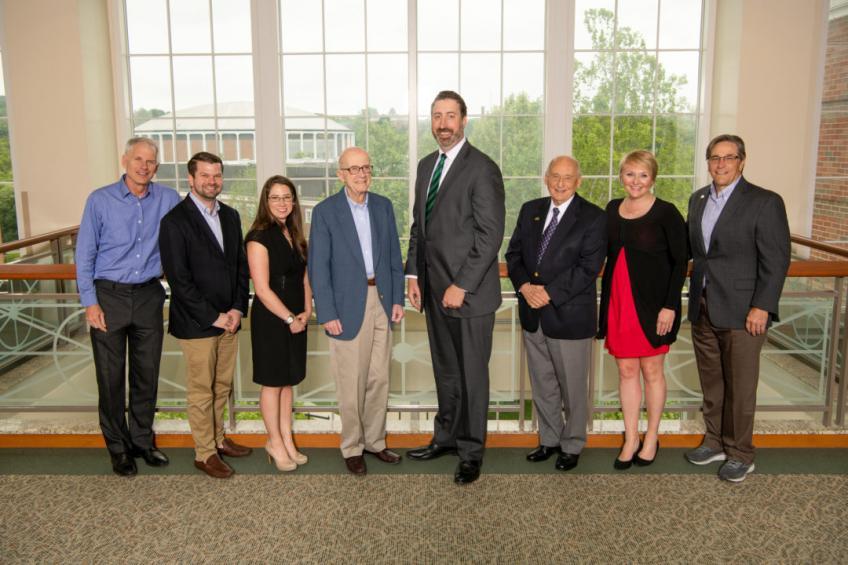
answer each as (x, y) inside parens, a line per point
(118, 271)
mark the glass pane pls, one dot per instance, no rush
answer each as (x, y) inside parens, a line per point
(5, 160)
(8, 218)
(524, 78)
(398, 192)
(237, 139)
(481, 25)
(388, 88)
(234, 83)
(680, 24)
(480, 83)
(676, 191)
(150, 80)
(593, 83)
(301, 26)
(166, 171)
(594, 24)
(675, 142)
(630, 133)
(344, 132)
(523, 24)
(193, 135)
(190, 29)
(147, 26)
(519, 191)
(388, 145)
(677, 81)
(387, 30)
(193, 85)
(485, 134)
(634, 82)
(231, 25)
(591, 144)
(595, 190)
(438, 25)
(637, 24)
(310, 191)
(345, 84)
(436, 72)
(522, 146)
(242, 183)
(426, 143)
(303, 84)
(344, 21)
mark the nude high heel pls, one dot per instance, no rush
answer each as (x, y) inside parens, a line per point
(298, 457)
(281, 465)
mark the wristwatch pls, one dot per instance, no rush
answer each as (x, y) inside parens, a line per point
(290, 320)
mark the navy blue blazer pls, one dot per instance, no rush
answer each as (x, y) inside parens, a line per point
(337, 268)
(568, 269)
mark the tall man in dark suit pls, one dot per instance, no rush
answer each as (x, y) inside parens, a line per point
(356, 273)
(204, 260)
(739, 237)
(553, 259)
(452, 271)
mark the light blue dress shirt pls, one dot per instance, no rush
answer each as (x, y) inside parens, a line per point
(362, 221)
(118, 238)
(211, 217)
(713, 209)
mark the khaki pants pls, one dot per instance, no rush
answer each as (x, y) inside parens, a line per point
(210, 365)
(361, 369)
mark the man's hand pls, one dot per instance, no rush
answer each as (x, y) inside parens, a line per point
(223, 321)
(235, 320)
(413, 293)
(333, 327)
(453, 298)
(535, 295)
(95, 317)
(756, 321)
(665, 319)
(397, 313)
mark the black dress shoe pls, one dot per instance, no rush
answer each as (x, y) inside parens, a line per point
(542, 453)
(567, 461)
(152, 456)
(467, 472)
(431, 451)
(645, 462)
(123, 464)
(621, 465)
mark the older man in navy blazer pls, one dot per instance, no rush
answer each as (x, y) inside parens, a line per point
(356, 273)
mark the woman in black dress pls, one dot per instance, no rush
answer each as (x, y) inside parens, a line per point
(647, 257)
(276, 253)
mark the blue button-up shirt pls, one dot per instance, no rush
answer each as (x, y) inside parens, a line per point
(213, 220)
(118, 237)
(712, 211)
(362, 221)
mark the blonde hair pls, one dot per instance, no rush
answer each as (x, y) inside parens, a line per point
(643, 158)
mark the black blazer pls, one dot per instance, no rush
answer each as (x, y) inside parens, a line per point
(568, 269)
(204, 280)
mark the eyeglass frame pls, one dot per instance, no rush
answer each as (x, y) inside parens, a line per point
(356, 169)
(717, 159)
(287, 199)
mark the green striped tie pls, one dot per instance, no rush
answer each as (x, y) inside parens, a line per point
(434, 187)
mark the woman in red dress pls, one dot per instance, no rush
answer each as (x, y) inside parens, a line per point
(647, 257)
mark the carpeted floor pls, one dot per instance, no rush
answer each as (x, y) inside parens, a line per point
(417, 515)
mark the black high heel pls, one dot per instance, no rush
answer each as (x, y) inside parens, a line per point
(645, 462)
(620, 465)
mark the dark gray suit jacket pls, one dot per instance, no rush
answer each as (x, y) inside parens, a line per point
(748, 258)
(461, 242)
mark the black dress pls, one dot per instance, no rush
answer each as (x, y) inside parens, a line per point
(279, 357)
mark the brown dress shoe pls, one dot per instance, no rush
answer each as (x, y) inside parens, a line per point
(214, 467)
(229, 448)
(356, 465)
(386, 456)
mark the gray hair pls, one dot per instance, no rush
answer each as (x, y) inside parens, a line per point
(133, 141)
(735, 139)
(568, 158)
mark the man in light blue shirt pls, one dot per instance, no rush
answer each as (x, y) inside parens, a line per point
(356, 274)
(118, 271)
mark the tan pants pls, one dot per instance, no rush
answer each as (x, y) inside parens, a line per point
(361, 369)
(210, 365)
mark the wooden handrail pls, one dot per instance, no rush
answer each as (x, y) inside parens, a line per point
(820, 245)
(68, 272)
(35, 240)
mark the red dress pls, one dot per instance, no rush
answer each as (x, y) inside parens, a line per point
(625, 337)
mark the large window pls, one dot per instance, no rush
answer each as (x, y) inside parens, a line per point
(8, 221)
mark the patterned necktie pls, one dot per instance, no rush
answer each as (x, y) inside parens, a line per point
(434, 187)
(547, 235)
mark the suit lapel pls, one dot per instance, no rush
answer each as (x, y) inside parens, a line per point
(450, 179)
(345, 217)
(538, 222)
(734, 204)
(696, 219)
(375, 234)
(228, 233)
(201, 226)
(566, 223)
(423, 183)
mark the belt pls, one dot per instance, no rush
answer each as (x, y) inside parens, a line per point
(103, 283)
(372, 282)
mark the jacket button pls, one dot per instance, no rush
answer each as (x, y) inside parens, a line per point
(535, 274)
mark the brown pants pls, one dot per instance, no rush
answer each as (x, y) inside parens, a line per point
(729, 368)
(210, 365)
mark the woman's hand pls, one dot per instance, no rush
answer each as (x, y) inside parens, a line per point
(665, 320)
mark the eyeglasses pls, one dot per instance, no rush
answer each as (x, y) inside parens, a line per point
(356, 169)
(556, 179)
(287, 199)
(716, 159)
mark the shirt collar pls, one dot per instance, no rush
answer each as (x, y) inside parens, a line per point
(724, 194)
(125, 190)
(353, 202)
(454, 151)
(202, 206)
(562, 207)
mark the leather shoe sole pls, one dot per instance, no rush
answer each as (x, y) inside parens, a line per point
(431, 451)
(356, 465)
(466, 472)
(386, 456)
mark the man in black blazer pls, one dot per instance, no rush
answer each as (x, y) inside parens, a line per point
(739, 238)
(452, 272)
(204, 261)
(553, 260)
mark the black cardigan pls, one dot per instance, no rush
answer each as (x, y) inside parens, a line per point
(657, 259)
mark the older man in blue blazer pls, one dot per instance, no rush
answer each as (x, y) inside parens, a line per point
(356, 273)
